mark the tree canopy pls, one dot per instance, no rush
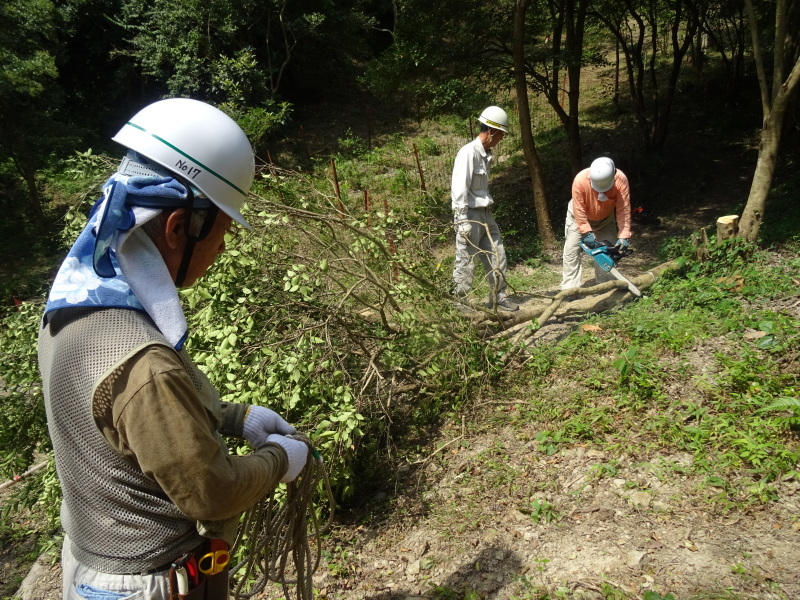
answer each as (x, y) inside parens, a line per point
(72, 70)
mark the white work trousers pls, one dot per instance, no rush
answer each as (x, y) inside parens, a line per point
(153, 586)
(483, 241)
(572, 271)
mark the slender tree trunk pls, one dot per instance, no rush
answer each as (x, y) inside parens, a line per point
(679, 50)
(753, 213)
(574, 136)
(574, 23)
(774, 103)
(541, 207)
(642, 62)
(615, 99)
(28, 175)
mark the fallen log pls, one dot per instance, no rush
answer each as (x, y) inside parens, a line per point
(595, 299)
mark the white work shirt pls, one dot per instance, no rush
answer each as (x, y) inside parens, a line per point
(470, 184)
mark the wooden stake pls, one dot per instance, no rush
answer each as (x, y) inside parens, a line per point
(336, 189)
(390, 236)
(369, 128)
(419, 168)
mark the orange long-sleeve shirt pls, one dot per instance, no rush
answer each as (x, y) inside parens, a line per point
(586, 207)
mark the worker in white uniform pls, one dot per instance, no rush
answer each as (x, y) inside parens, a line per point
(477, 234)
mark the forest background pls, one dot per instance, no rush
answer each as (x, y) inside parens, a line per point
(336, 307)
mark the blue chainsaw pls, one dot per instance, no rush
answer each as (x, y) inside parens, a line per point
(606, 255)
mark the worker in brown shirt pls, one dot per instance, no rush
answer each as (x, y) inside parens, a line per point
(136, 427)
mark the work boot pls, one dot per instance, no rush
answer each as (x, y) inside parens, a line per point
(503, 304)
(460, 297)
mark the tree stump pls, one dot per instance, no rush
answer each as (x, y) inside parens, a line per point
(727, 227)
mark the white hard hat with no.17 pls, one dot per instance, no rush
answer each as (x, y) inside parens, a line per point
(198, 142)
(495, 117)
(601, 174)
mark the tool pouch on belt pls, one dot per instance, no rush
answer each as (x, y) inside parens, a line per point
(188, 582)
(211, 587)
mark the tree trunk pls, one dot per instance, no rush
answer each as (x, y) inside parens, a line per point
(566, 54)
(615, 99)
(642, 61)
(753, 214)
(774, 103)
(541, 206)
(28, 174)
(574, 24)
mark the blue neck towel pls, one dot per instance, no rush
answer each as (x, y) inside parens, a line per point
(114, 264)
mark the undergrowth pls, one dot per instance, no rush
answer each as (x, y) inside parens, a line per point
(721, 332)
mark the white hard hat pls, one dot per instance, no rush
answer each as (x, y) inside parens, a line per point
(198, 142)
(495, 117)
(601, 174)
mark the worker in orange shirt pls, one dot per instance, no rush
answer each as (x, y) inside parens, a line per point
(599, 211)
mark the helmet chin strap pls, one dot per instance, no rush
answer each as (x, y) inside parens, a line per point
(202, 212)
(197, 228)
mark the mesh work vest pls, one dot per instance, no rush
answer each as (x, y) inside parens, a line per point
(118, 519)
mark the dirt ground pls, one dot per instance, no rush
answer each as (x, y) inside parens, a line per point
(464, 522)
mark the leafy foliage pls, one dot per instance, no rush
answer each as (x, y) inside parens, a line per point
(29, 97)
(434, 60)
(23, 429)
(241, 52)
(329, 330)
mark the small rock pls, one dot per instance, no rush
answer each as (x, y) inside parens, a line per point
(634, 558)
(425, 546)
(641, 499)
(490, 537)
(413, 568)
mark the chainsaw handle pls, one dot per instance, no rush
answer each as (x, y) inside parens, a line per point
(615, 252)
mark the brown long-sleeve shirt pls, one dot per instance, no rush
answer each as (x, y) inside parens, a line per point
(158, 421)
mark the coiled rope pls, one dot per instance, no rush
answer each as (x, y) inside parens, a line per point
(278, 534)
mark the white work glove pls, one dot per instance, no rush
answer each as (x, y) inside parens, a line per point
(297, 452)
(463, 228)
(260, 422)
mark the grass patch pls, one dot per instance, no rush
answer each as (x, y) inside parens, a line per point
(698, 367)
